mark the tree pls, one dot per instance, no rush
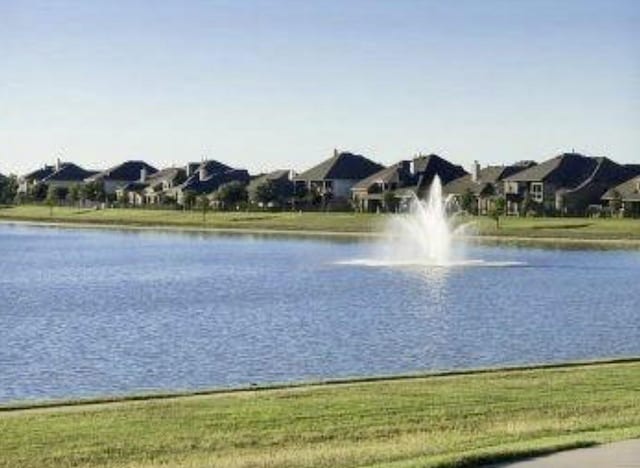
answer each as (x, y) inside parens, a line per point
(73, 196)
(390, 201)
(265, 193)
(231, 194)
(8, 189)
(51, 199)
(468, 202)
(615, 203)
(39, 192)
(205, 204)
(94, 191)
(498, 210)
(189, 199)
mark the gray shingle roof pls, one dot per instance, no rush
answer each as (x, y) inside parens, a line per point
(217, 174)
(629, 190)
(39, 174)
(392, 174)
(566, 170)
(343, 165)
(127, 171)
(68, 172)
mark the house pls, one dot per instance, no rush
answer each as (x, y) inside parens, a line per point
(160, 186)
(27, 181)
(405, 179)
(61, 174)
(122, 175)
(66, 174)
(626, 196)
(566, 184)
(207, 178)
(333, 178)
(281, 182)
(483, 185)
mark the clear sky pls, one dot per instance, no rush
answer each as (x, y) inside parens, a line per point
(279, 84)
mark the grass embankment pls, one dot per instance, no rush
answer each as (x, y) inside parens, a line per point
(347, 223)
(450, 420)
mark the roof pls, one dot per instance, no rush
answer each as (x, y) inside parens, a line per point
(68, 172)
(629, 190)
(127, 171)
(217, 174)
(166, 174)
(427, 167)
(566, 170)
(133, 187)
(275, 176)
(487, 177)
(342, 165)
(397, 173)
(39, 174)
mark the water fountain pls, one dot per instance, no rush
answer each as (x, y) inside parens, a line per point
(425, 236)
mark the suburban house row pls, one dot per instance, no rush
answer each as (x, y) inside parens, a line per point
(568, 184)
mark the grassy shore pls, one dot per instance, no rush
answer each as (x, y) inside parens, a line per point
(446, 420)
(588, 229)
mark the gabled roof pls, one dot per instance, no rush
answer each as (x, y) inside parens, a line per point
(275, 176)
(629, 190)
(566, 170)
(343, 165)
(169, 173)
(394, 174)
(68, 172)
(487, 177)
(39, 174)
(217, 174)
(214, 181)
(427, 167)
(127, 171)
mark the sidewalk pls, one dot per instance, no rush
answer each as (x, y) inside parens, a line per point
(619, 454)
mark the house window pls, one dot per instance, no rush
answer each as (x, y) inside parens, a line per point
(537, 193)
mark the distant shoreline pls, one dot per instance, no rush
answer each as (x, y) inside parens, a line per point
(523, 241)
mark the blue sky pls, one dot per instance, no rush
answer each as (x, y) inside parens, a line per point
(279, 84)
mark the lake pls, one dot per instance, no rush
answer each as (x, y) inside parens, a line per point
(88, 312)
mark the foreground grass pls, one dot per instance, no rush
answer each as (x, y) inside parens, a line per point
(354, 223)
(455, 420)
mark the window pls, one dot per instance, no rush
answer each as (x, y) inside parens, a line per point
(537, 193)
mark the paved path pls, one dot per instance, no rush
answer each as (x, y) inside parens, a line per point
(617, 455)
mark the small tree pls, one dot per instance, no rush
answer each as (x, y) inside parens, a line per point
(8, 189)
(189, 199)
(51, 199)
(230, 194)
(265, 193)
(204, 204)
(615, 203)
(468, 202)
(390, 201)
(73, 196)
(39, 192)
(94, 191)
(498, 210)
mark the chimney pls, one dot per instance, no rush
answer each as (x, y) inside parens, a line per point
(58, 164)
(202, 170)
(475, 171)
(335, 152)
(143, 175)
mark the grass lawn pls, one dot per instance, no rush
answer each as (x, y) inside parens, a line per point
(451, 420)
(563, 228)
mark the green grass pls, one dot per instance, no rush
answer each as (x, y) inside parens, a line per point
(447, 420)
(350, 223)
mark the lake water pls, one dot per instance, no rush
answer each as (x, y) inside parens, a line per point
(91, 312)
